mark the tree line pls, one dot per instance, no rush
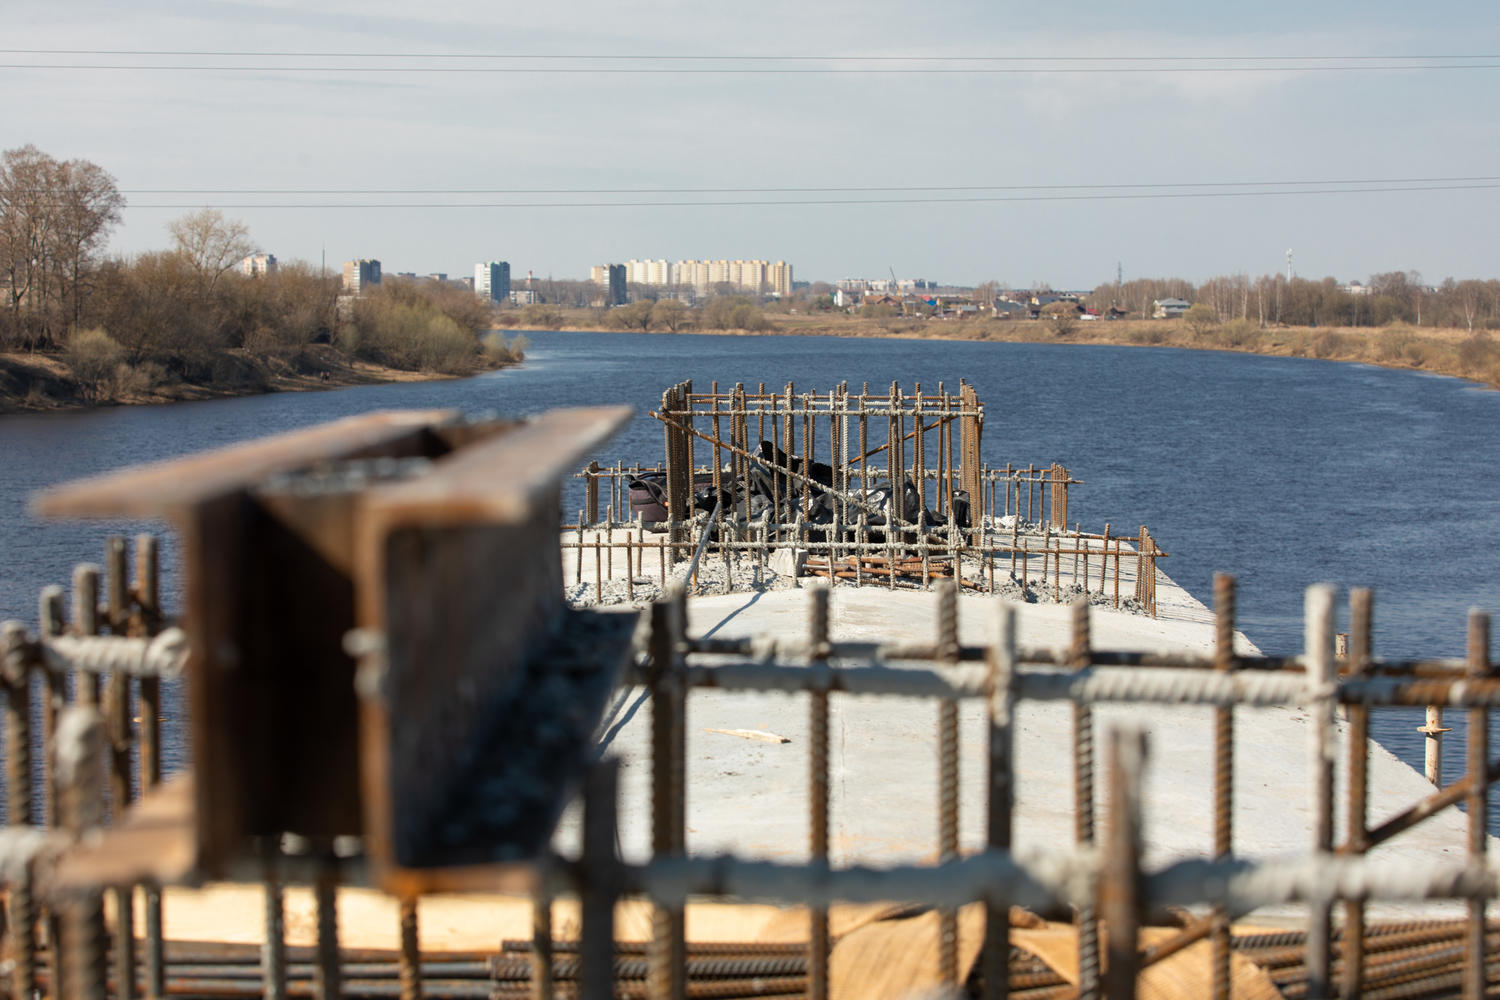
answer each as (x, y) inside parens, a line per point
(187, 313)
(1387, 298)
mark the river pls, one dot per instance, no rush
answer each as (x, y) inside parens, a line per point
(1282, 471)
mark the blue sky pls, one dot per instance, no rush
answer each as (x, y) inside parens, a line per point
(334, 123)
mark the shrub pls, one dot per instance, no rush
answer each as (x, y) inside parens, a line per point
(1327, 345)
(1476, 353)
(135, 380)
(734, 312)
(1238, 333)
(1391, 343)
(92, 356)
(1200, 318)
(540, 317)
(500, 351)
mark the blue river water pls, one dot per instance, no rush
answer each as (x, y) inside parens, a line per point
(1282, 471)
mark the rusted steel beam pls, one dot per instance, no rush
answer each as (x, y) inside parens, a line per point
(479, 529)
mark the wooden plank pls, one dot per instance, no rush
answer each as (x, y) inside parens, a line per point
(163, 487)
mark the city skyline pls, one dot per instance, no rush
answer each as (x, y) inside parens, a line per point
(971, 142)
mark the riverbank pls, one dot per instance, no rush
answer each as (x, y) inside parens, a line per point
(40, 382)
(1434, 350)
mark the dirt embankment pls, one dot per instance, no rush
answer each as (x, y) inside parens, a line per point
(44, 382)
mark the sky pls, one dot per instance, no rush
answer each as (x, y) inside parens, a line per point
(957, 140)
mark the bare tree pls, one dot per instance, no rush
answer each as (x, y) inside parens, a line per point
(54, 219)
(211, 243)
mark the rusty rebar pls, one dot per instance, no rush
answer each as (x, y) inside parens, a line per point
(542, 946)
(600, 880)
(1083, 805)
(1120, 885)
(273, 942)
(1360, 628)
(1476, 803)
(82, 747)
(1224, 619)
(327, 973)
(948, 805)
(668, 779)
(410, 958)
(1001, 667)
(818, 824)
(22, 945)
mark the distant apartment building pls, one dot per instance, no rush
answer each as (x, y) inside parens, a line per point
(612, 278)
(757, 276)
(258, 264)
(522, 297)
(360, 273)
(492, 280)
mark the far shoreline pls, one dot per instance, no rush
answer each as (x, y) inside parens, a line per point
(41, 383)
(1428, 350)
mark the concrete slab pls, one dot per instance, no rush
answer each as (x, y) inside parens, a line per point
(748, 797)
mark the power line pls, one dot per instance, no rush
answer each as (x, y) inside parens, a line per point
(746, 71)
(817, 190)
(1135, 196)
(721, 57)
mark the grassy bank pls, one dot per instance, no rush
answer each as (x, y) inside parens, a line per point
(1437, 350)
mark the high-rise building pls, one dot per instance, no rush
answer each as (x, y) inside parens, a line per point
(360, 273)
(616, 284)
(258, 264)
(492, 280)
(780, 278)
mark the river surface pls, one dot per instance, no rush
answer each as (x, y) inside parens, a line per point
(1282, 471)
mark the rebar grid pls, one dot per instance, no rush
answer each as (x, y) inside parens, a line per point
(1323, 878)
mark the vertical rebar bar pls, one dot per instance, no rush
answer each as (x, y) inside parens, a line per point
(273, 945)
(411, 950)
(1224, 660)
(117, 716)
(327, 973)
(948, 806)
(1360, 626)
(22, 943)
(1001, 667)
(1476, 803)
(668, 776)
(817, 944)
(1433, 749)
(86, 622)
(1120, 889)
(542, 984)
(600, 881)
(1080, 657)
(147, 594)
(1321, 689)
(81, 761)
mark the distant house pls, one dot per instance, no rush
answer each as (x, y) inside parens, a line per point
(1007, 309)
(1169, 308)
